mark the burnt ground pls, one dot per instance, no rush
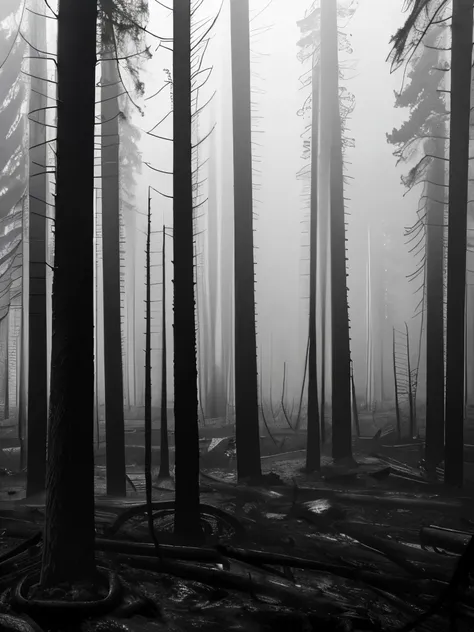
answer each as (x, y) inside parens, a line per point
(361, 546)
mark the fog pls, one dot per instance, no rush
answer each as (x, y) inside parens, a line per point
(377, 204)
(378, 208)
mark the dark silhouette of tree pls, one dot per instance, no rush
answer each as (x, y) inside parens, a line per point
(247, 431)
(13, 172)
(70, 471)
(341, 359)
(427, 127)
(38, 189)
(110, 114)
(313, 444)
(164, 451)
(422, 13)
(120, 26)
(187, 514)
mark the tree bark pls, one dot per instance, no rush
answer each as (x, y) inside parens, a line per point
(187, 515)
(246, 383)
(38, 187)
(164, 450)
(341, 362)
(313, 442)
(114, 413)
(70, 472)
(435, 307)
(461, 54)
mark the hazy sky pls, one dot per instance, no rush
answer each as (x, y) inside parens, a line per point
(375, 191)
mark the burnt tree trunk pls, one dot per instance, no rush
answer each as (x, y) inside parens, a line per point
(341, 361)
(247, 432)
(164, 450)
(70, 472)
(313, 443)
(435, 308)
(114, 413)
(37, 346)
(187, 515)
(461, 55)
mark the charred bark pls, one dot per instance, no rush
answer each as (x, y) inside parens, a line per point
(164, 451)
(435, 310)
(70, 472)
(461, 54)
(37, 349)
(187, 516)
(114, 413)
(313, 443)
(246, 383)
(341, 361)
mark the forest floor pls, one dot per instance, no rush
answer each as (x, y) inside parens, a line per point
(364, 545)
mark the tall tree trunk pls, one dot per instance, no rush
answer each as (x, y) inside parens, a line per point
(148, 481)
(247, 432)
(22, 393)
(6, 375)
(434, 307)
(114, 413)
(461, 59)
(38, 187)
(187, 515)
(341, 385)
(164, 451)
(313, 447)
(214, 385)
(70, 473)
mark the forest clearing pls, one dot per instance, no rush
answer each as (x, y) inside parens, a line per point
(236, 361)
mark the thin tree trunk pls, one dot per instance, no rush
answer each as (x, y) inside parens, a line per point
(461, 54)
(355, 412)
(313, 446)
(246, 387)
(21, 393)
(410, 388)
(148, 482)
(397, 406)
(435, 309)
(37, 346)
(70, 474)
(164, 451)
(114, 413)
(341, 386)
(214, 394)
(6, 377)
(187, 515)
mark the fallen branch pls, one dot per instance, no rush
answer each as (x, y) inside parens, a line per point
(168, 505)
(447, 539)
(299, 597)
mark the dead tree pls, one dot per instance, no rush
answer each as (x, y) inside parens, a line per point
(187, 515)
(246, 383)
(70, 473)
(110, 114)
(164, 450)
(38, 187)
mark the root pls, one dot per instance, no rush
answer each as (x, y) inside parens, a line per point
(168, 506)
(50, 608)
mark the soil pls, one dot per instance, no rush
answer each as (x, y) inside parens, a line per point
(327, 517)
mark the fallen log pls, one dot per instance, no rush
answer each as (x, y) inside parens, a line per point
(442, 538)
(415, 561)
(200, 554)
(397, 583)
(21, 548)
(283, 591)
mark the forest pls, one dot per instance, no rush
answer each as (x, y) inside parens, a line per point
(236, 316)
